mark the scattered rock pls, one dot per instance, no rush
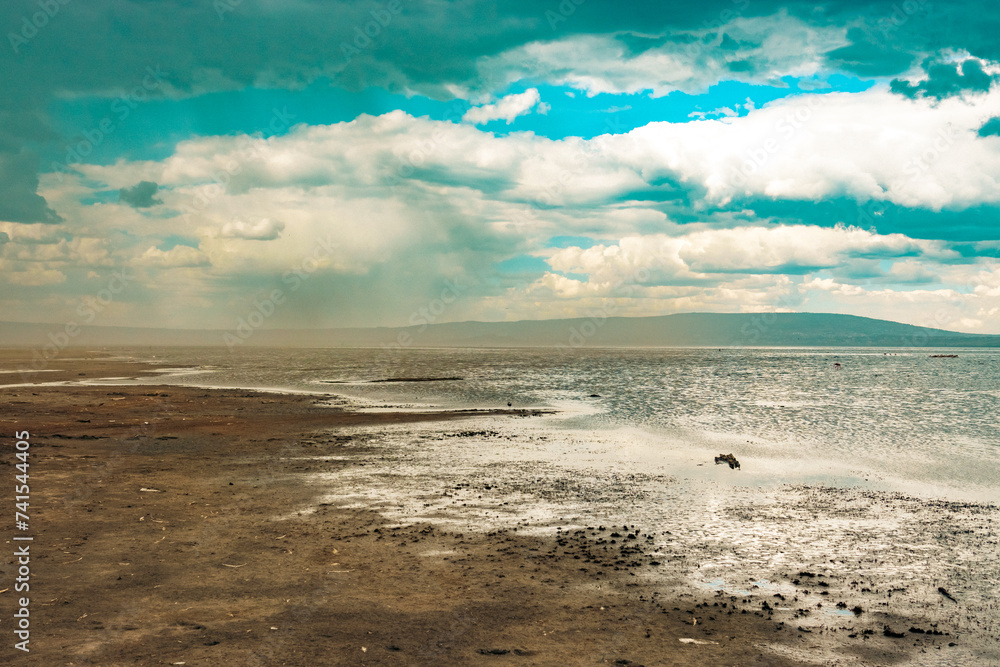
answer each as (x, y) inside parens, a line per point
(945, 593)
(728, 458)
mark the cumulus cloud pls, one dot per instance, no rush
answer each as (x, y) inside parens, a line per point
(506, 108)
(408, 201)
(943, 308)
(692, 257)
(262, 230)
(140, 195)
(694, 272)
(748, 48)
(914, 272)
(395, 185)
(36, 276)
(41, 233)
(868, 146)
(177, 257)
(871, 146)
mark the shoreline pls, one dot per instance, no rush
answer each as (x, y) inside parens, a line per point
(168, 530)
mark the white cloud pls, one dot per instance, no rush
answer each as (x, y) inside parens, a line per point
(264, 229)
(944, 308)
(744, 250)
(642, 275)
(181, 256)
(986, 283)
(44, 234)
(871, 146)
(35, 276)
(758, 49)
(411, 200)
(506, 108)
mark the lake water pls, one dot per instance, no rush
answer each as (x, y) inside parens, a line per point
(888, 418)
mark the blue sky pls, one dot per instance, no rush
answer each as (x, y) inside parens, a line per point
(553, 160)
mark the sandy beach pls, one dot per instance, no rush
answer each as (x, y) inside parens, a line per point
(169, 528)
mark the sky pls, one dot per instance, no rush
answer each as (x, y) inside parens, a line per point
(189, 163)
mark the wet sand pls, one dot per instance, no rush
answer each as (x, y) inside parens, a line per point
(169, 529)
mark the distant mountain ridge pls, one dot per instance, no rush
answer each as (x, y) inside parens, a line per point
(677, 330)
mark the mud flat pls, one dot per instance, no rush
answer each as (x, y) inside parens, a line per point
(230, 527)
(856, 576)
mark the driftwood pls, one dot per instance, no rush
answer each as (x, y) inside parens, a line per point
(728, 458)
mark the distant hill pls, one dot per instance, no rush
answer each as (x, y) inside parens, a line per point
(679, 330)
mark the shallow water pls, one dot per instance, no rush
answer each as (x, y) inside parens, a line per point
(886, 553)
(885, 418)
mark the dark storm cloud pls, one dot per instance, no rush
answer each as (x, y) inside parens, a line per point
(140, 195)
(18, 184)
(946, 80)
(103, 47)
(868, 56)
(990, 128)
